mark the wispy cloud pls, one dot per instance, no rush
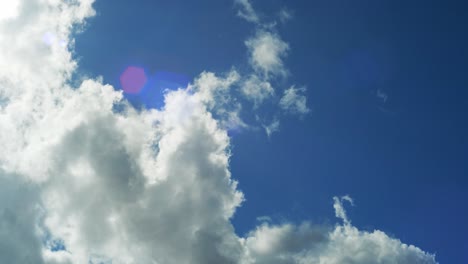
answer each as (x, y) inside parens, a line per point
(267, 51)
(272, 127)
(246, 11)
(294, 101)
(257, 90)
(381, 95)
(285, 15)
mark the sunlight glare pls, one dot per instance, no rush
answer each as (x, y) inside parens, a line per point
(9, 9)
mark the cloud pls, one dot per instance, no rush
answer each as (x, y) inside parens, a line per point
(340, 212)
(215, 93)
(19, 242)
(257, 90)
(285, 15)
(272, 127)
(306, 243)
(9, 10)
(381, 95)
(267, 51)
(133, 217)
(81, 182)
(246, 11)
(293, 101)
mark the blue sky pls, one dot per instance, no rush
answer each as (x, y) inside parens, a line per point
(384, 123)
(401, 155)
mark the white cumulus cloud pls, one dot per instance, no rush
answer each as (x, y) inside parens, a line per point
(267, 51)
(306, 243)
(81, 182)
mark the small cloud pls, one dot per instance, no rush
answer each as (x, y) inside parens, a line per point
(246, 11)
(285, 15)
(256, 90)
(272, 128)
(294, 101)
(382, 95)
(387, 111)
(264, 219)
(340, 212)
(213, 89)
(214, 92)
(267, 51)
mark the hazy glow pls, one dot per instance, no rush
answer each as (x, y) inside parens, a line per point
(48, 38)
(133, 79)
(51, 39)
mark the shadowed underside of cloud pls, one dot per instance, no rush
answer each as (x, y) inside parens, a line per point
(83, 183)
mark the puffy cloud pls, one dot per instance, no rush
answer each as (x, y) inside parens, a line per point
(214, 90)
(81, 182)
(127, 186)
(306, 244)
(267, 51)
(215, 93)
(294, 101)
(266, 56)
(104, 204)
(257, 90)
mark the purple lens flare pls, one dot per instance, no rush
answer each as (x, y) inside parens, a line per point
(133, 79)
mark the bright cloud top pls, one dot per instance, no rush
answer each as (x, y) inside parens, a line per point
(9, 10)
(83, 183)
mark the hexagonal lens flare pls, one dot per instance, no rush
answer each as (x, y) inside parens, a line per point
(133, 79)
